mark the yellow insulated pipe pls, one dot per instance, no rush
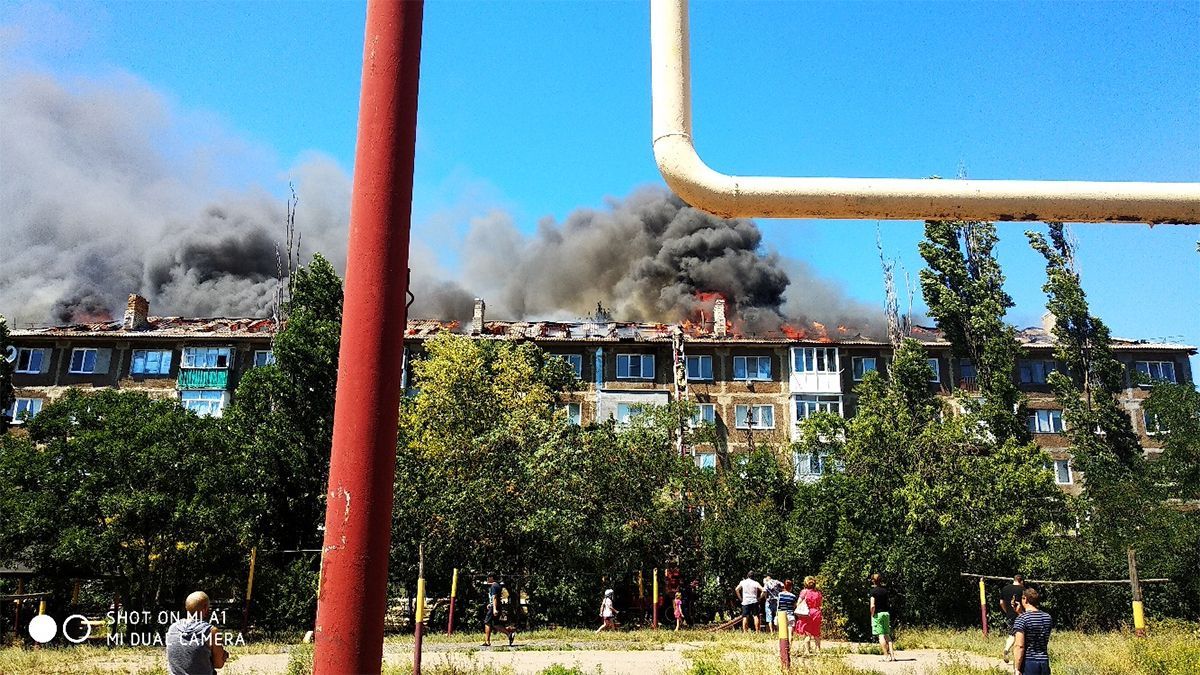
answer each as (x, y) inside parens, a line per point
(871, 198)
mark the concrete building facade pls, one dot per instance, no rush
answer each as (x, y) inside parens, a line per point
(752, 388)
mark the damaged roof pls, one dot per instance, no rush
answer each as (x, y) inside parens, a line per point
(168, 327)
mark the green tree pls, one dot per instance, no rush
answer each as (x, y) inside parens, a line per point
(924, 495)
(6, 371)
(1175, 409)
(1104, 445)
(118, 483)
(282, 413)
(964, 289)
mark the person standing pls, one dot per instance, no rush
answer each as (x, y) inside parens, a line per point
(192, 644)
(607, 612)
(808, 616)
(749, 591)
(678, 604)
(494, 615)
(1010, 605)
(787, 603)
(881, 615)
(1031, 648)
(772, 588)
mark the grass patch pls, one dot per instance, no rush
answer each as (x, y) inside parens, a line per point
(1172, 648)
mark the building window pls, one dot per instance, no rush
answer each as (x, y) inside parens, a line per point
(699, 368)
(863, 365)
(1155, 371)
(628, 411)
(24, 409)
(30, 360)
(1035, 372)
(573, 412)
(967, 368)
(1062, 472)
(206, 357)
(635, 366)
(263, 357)
(752, 368)
(83, 361)
(706, 413)
(1153, 424)
(576, 362)
(707, 460)
(812, 464)
(203, 403)
(754, 416)
(815, 359)
(807, 404)
(936, 367)
(151, 362)
(1045, 421)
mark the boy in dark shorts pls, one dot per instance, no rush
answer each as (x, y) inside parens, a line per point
(1010, 605)
(493, 615)
(881, 616)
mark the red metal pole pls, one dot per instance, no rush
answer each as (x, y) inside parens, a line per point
(353, 581)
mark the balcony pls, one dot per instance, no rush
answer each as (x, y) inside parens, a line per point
(210, 379)
(968, 384)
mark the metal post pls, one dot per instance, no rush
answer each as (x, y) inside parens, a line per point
(453, 595)
(654, 602)
(419, 626)
(1139, 613)
(983, 606)
(353, 579)
(785, 645)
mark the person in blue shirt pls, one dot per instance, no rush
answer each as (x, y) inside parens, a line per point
(1032, 628)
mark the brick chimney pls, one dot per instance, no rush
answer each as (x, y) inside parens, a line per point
(720, 328)
(1048, 322)
(137, 311)
(477, 317)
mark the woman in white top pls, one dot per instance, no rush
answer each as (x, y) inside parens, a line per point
(607, 612)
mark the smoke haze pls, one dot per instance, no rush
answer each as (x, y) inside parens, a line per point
(107, 190)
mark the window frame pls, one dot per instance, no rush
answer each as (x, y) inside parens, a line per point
(268, 361)
(832, 366)
(71, 369)
(858, 374)
(628, 360)
(575, 419)
(30, 351)
(1034, 422)
(699, 418)
(701, 359)
(1046, 366)
(1149, 372)
(1155, 428)
(758, 360)
(935, 364)
(1066, 464)
(702, 459)
(145, 359)
(13, 412)
(227, 352)
(740, 413)
(205, 396)
(819, 400)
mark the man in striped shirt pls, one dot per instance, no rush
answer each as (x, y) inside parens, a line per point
(1032, 629)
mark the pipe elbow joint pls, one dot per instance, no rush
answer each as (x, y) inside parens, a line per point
(692, 180)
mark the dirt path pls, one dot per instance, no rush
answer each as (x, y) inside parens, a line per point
(921, 661)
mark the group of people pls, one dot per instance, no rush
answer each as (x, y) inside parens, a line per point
(801, 607)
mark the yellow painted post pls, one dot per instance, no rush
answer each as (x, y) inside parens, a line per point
(785, 646)
(249, 588)
(983, 606)
(453, 596)
(41, 607)
(419, 628)
(1139, 612)
(654, 600)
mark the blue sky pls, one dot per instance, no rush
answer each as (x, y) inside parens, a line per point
(540, 108)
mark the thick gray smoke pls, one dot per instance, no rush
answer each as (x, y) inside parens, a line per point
(106, 191)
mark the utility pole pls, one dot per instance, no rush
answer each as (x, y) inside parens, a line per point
(352, 595)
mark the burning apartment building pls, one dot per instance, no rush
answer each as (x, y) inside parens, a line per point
(752, 385)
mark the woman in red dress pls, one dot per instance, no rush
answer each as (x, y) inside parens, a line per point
(808, 626)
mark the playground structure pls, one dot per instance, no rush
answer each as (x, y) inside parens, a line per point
(353, 578)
